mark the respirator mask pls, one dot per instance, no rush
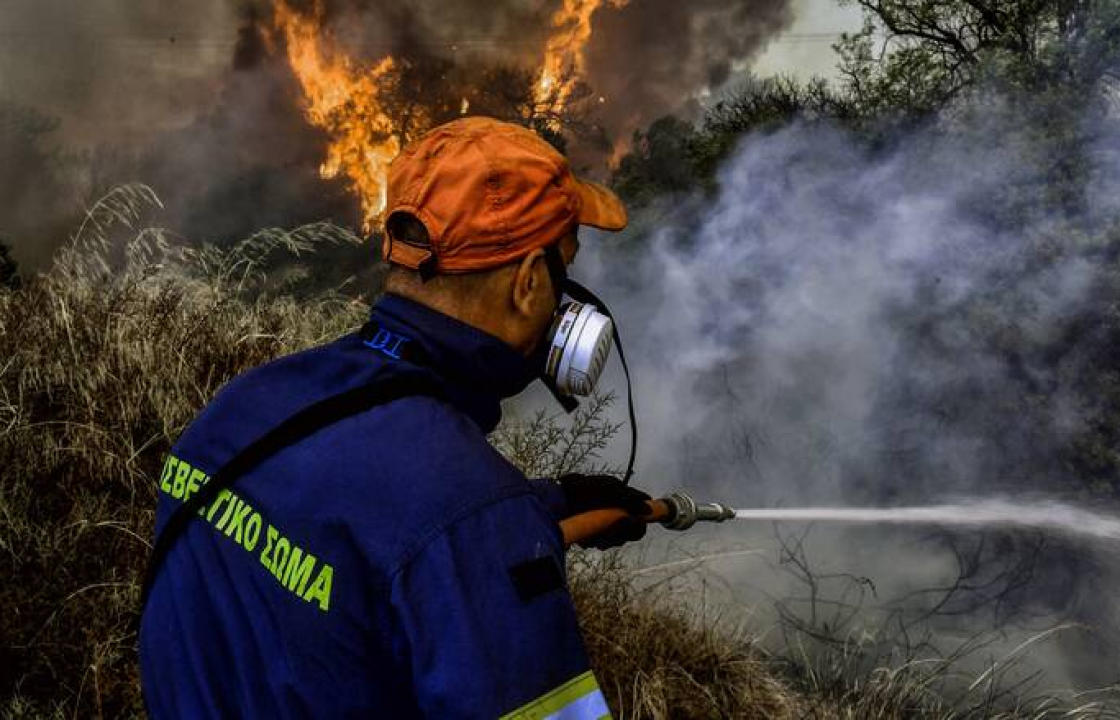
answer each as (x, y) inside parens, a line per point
(577, 344)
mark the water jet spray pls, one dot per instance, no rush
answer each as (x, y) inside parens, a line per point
(679, 511)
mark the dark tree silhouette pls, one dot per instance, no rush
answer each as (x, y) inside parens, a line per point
(9, 273)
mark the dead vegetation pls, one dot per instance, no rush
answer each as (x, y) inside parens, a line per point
(102, 363)
(106, 358)
(658, 656)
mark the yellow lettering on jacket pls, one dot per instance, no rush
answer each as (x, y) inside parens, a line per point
(291, 565)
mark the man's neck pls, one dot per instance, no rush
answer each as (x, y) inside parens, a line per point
(475, 312)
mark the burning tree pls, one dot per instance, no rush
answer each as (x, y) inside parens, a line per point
(370, 107)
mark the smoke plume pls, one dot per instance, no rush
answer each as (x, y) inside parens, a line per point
(647, 58)
(841, 326)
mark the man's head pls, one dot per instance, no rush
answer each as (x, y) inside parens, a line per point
(473, 209)
(514, 301)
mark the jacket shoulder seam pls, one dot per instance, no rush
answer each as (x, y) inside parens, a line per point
(418, 546)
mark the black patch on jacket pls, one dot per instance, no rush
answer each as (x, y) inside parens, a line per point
(534, 578)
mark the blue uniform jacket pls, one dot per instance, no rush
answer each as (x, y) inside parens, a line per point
(391, 565)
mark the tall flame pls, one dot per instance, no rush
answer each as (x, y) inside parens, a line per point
(564, 60)
(345, 101)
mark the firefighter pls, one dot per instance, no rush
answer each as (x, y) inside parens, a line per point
(335, 536)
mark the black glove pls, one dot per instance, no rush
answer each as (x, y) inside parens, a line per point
(583, 493)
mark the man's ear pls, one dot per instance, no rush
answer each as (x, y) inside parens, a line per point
(528, 281)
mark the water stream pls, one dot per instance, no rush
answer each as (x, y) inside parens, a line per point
(1054, 516)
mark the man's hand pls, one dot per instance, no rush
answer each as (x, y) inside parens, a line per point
(583, 493)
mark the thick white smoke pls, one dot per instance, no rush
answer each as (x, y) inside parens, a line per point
(818, 284)
(840, 326)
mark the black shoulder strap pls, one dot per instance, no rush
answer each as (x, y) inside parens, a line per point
(300, 425)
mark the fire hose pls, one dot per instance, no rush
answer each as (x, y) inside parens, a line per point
(676, 511)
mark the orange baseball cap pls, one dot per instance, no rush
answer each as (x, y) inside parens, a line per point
(488, 192)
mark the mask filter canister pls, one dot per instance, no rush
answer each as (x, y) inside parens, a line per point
(580, 345)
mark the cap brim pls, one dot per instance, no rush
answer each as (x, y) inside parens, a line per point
(599, 206)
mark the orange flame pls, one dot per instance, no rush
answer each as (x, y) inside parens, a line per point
(345, 102)
(564, 59)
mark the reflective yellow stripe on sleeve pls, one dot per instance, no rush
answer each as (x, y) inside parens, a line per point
(577, 699)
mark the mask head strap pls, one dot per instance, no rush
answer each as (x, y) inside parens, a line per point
(557, 270)
(558, 274)
(581, 294)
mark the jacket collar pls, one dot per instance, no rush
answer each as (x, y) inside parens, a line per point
(478, 368)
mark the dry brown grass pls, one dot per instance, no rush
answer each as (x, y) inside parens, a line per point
(656, 655)
(101, 366)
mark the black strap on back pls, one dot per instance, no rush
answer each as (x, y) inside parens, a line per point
(307, 421)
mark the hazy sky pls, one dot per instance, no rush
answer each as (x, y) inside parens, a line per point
(806, 48)
(93, 63)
